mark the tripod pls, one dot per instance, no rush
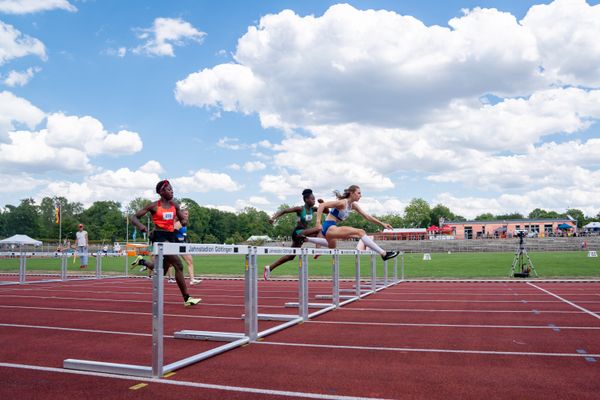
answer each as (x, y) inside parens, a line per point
(522, 263)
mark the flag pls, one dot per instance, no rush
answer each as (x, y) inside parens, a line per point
(134, 234)
(57, 214)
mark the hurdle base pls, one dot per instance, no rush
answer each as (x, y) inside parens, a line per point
(209, 335)
(274, 317)
(105, 367)
(310, 305)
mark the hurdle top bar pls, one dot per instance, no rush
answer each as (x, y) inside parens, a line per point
(217, 249)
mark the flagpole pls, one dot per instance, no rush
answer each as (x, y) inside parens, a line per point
(59, 225)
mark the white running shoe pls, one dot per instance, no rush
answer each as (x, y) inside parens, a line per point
(171, 280)
(195, 281)
(267, 272)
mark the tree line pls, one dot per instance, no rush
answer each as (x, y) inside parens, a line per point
(106, 221)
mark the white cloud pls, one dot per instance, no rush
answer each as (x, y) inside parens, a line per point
(13, 44)
(120, 52)
(566, 32)
(205, 181)
(164, 34)
(253, 166)
(16, 111)
(87, 134)
(19, 182)
(257, 202)
(33, 6)
(20, 78)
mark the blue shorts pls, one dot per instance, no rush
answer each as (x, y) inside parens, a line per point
(326, 225)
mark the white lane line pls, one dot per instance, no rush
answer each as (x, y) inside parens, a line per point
(453, 311)
(453, 325)
(415, 350)
(585, 310)
(57, 328)
(242, 389)
(103, 300)
(85, 310)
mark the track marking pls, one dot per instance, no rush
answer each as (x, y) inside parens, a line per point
(453, 311)
(585, 310)
(116, 312)
(59, 328)
(138, 386)
(190, 384)
(415, 350)
(551, 326)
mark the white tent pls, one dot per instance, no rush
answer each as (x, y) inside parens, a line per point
(257, 238)
(21, 239)
(592, 226)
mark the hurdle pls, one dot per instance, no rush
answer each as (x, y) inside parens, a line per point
(251, 316)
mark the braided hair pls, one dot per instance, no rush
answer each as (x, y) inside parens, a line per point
(347, 192)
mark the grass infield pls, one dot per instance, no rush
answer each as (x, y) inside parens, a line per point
(441, 265)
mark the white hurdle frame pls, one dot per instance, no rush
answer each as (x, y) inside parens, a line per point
(251, 316)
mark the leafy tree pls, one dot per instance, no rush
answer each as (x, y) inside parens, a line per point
(210, 238)
(514, 215)
(285, 224)
(24, 219)
(441, 211)
(578, 215)
(394, 220)
(253, 222)
(417, 214)
(485, 217)
(104, 220)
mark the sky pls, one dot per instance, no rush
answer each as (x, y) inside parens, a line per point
(480, 105)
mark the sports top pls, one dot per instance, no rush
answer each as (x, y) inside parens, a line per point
(164, 218)
(303, 218)
(341, 214)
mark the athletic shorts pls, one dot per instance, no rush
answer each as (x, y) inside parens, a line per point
(297, 237)
(158, 236)
(326, 225)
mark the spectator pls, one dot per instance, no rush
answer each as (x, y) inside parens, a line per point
(81, 240)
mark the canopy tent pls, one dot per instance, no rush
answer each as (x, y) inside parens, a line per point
(592, 225)
(433, 228)
(447, 229)
(21, 239)
(565, 226)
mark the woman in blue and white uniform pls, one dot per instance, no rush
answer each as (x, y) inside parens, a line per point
(339, 210)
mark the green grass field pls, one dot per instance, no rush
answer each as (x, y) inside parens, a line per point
(441, 265)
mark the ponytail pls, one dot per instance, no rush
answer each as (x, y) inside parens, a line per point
(349, 190)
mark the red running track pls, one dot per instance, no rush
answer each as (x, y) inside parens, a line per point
(413, 340)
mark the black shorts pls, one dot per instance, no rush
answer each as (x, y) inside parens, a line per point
(163, 236)
(297, 237)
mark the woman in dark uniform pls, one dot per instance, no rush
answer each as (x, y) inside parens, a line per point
(304, 216)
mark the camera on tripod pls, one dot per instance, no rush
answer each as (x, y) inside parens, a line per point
(522, 265)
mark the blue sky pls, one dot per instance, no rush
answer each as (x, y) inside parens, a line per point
(484, 106)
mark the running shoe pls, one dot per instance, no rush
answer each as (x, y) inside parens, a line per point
(390, 254)
(267, 273)
(191, 301)
(137, 261)
(171, 280)
(143, 268)
(195, 281)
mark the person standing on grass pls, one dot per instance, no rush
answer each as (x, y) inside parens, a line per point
(81, 241)
(182, 237)
(304, 216)
(163, 212)
(339, 210)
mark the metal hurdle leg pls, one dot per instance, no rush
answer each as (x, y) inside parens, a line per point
(336, 279)
(396, 269)
(158, 315)
(385, 273)
(98, 265)
(251, 296)
(303, 286)
(357, 275)
(22, 265)
(63, 266)
(373, 273)
(402, 266)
